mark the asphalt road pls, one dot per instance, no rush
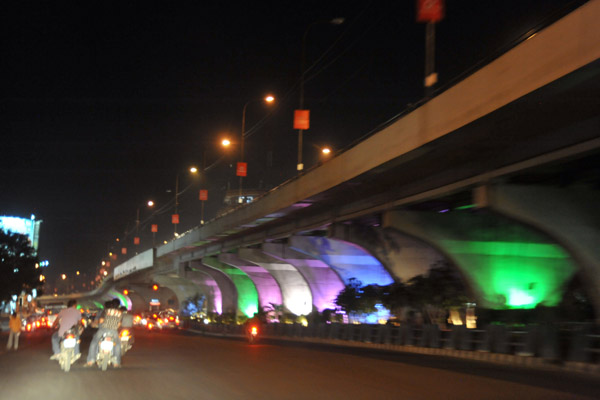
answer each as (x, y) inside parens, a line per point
(180, 365)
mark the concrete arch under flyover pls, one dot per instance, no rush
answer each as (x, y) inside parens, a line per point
(403, 256)
(222, 289)
(347, 259)
(570, 215)
(324, 283)
(267, 287)
(296, 294)
(181, 288)
(140, 294)
(246, 290)
(506, 264)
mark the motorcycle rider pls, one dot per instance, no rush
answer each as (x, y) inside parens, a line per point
(127, 318)
(127, 322)
(109, 322)
(65, 320)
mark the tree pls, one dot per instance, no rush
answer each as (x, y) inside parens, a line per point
(395, 297)
(355, 299)
(17, 265)
(193, 305)
(348, 299)
(438, 291)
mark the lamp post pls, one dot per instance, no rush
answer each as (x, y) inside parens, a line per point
(136, 239)
(430, 12)
(175, 216)
(241, 169)
(301, 112)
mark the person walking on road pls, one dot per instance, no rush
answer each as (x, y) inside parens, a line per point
(14, 326)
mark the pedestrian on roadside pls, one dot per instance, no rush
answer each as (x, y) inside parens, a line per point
(14, 326)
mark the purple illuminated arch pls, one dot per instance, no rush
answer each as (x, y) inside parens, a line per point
(266, 286)
(347, 259)
(324, 283)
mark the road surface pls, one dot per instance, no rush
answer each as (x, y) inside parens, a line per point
(183, 365)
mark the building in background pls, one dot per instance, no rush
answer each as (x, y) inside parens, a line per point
(24, 226)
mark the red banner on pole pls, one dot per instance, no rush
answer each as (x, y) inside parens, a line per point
(124, 250)
(430, 10)
(175, 218)
(301, 119)
(242, 169)
(154, 228)
(136, 240)
(203, 194)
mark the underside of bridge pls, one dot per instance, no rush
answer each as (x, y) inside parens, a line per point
(497, 176)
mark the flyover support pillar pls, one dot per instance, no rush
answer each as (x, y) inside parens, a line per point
(571, 216)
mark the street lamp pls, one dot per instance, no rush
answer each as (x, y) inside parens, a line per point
(136, 239)
(241, 169)
(175, 216)
(301, 117)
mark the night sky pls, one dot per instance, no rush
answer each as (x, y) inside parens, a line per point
(103, 104)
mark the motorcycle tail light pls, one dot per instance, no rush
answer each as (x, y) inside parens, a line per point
(125, 333)
(28, 327)
(254, 330)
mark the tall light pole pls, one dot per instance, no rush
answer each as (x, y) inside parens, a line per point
(301, 117)
(136, 239)
(430, 12)
(241, 169)
(175, 216)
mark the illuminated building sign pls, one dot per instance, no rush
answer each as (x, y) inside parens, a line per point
(29, 227)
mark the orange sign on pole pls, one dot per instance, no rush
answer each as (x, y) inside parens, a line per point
(203, 194)
(430, 10)
(242, 169)
(154, 228)
(124, 250)
(136, 240)
(175, 218)
(302, 119)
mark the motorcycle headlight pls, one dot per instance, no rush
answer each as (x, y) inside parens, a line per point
(106, 345)
(69, 342)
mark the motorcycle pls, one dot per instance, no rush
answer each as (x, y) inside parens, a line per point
(67, 355)
(252, 334)
(126, 341)
(105, 356)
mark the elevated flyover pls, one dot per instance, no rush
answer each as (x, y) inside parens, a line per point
(497, 175)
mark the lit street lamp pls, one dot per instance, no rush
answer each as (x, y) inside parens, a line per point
(175, 216)
(136, 239)
(241, 169)
(301, 116)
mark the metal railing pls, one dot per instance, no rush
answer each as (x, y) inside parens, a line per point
(572, 342)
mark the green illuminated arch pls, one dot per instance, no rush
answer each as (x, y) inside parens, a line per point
(247, 293)
(507, 264)
(514, 274)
